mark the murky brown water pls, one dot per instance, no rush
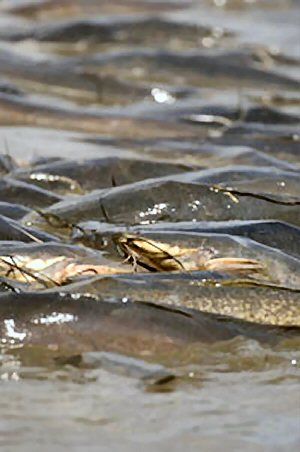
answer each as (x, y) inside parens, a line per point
(180, 121)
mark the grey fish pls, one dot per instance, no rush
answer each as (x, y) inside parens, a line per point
(13, 210)
(26, 194)
(90, 174)
(276, 234)
(68, 324)
(159, 200)
(249, 302)
(10, 229)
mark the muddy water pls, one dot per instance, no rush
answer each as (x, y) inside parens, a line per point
(179, 121)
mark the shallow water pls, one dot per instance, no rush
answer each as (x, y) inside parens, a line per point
(179, 121)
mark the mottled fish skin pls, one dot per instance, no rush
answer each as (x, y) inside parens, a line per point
(154, 89)
(63, 323)
(212, 250)
(167, 200)
(260, 305)
(82, 323)
(252, 303)
(27, 194)
(277, 234)
(91, 174)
